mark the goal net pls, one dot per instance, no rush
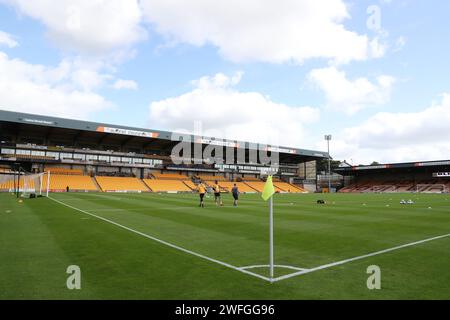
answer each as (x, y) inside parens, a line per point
(25, 184)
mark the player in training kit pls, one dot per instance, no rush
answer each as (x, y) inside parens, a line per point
(217, 193)
(235, 192)
(201, 192)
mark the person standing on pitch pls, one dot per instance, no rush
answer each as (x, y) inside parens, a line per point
(201, 192)
(217, 197)
(235, 192)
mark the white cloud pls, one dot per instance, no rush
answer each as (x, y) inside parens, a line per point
(268, 31)
(125, 84)
(87, 25)
(65, 90)
(228, 113)
(7, 40)
(398, 137)
(350, 96)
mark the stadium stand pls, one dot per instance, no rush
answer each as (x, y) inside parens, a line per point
(244, 188)
(121, 184)
(259, 186)
(421, 186)
(55, 170)
(165, 185)
(9, 185)
(94, 156)
(287, 187)
(190, 184)
(249, 179)
(169, 175)
(59, 182)
(211, 178)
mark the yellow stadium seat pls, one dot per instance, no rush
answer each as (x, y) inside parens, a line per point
(287, 187)
(259, 185)
(59, 182)
(121, 184)
(212, 178)
(241, 186)
(169, 175)
(163, 185)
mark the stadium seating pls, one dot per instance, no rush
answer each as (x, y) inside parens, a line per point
(211, 178)
(121, 184)
(287, 187)
(164, 185)
(59, 182)
(7, 183)
(190, 184)
(169, 175)
(249, 179)
(64, 171)
(421, 186)
(259, 186)
(244, 188)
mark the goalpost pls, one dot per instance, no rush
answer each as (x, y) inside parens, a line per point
(27, 185)
(34, 185)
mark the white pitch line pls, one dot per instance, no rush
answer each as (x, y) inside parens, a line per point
(166, 243)
(325, 266)
(267, 266)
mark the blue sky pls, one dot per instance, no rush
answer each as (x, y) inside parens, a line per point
(285, 72)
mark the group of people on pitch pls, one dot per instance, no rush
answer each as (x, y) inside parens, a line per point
(201, 188)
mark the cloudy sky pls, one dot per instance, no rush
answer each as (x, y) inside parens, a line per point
(374, 74)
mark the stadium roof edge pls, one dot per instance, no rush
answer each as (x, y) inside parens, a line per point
(50, 121)
(393, 166)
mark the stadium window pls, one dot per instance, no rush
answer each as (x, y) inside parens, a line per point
(38, 153)
(8, 151)
(126, 160)
(79, 156)
(103, 158)
(23, 152)
(53, 155)
(66, 156)
(91, 157)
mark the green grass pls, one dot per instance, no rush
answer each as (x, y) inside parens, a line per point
(40, 238)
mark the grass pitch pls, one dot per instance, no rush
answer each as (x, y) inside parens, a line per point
(40, 238)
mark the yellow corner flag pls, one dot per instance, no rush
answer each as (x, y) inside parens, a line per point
(269, 190)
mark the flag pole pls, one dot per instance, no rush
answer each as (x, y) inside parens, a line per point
(271, 237)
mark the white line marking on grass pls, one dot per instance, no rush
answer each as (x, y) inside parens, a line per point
(267, 266)
(166, 243)
(325, 266)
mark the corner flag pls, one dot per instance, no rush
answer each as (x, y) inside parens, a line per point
(269, 190)
(267, 194)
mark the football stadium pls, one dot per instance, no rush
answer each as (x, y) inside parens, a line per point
(111, 203)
